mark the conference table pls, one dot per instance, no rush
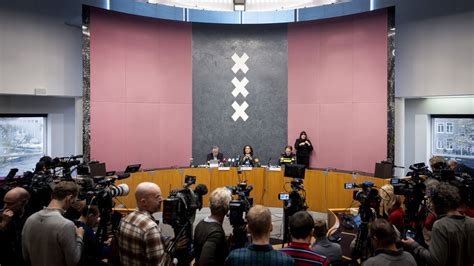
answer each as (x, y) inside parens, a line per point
(324, 189)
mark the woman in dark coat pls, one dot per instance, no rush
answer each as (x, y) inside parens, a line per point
(303, 148)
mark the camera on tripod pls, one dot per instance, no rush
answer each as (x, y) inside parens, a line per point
(240, 206)
(180, 207)
(367, 194)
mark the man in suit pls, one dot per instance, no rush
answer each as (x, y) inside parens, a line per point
(215, 154)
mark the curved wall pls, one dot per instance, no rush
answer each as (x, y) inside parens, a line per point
(143, 81)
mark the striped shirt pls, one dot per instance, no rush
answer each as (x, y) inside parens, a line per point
(304, 255)
(139, 240)
(258, 255)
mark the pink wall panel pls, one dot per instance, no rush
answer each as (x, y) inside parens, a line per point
(175, 134)
(304, 73)
(346, 81)
(141, 127)
(370, 81)
(308, 122)
(336, 62)
(369, 135)
(177, 77)
(108, 134)
(335, 136)
(140, 76)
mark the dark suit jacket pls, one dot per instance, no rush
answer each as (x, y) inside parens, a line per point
(220, 157)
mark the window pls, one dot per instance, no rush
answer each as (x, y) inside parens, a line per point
(440, 145)
(449, 144)
(459, 144)
(449, 128)
(440, 127)
(22, 142)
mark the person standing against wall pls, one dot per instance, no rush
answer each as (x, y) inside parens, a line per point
(303, 148)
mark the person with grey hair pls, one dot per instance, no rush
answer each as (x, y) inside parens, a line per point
(460, 168)
(215, 154)
(210, 244)
(452, 239)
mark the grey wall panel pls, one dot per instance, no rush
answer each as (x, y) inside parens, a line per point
(266, 127)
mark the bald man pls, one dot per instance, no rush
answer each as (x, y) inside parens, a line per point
(11, 225)
(139, 237)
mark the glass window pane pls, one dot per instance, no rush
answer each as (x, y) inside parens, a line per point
(22, 143)
(453, 138)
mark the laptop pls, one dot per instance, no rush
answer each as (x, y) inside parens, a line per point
(213, 163)
(132, 168)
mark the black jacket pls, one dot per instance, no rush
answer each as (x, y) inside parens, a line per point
(304, 150)
(220, 157)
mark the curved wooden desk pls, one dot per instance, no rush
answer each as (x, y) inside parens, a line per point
(323, 189)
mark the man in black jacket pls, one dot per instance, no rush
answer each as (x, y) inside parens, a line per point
(215, 154)
(210, 244)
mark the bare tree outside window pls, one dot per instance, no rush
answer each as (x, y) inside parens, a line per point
(22, 142)
(453, 138)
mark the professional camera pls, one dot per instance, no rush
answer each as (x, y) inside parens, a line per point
(238, 209)
(179, 211)
(369, 199)
(294, 200)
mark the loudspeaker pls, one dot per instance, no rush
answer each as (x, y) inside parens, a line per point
(383, 170)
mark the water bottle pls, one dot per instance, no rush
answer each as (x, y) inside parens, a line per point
(191, 162)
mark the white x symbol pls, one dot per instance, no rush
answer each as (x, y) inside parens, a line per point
(240, 63)
(240, 87)
(240, 111)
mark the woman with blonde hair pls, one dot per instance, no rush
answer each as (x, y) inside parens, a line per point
(392, 207)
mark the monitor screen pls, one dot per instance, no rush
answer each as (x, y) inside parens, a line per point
(295, 170)
(132, 168)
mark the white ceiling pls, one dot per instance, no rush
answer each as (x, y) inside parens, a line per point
(251, 5)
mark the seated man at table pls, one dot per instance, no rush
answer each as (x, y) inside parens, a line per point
(215, 154)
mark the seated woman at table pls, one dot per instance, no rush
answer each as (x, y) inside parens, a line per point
(288, 157)
(247, 159)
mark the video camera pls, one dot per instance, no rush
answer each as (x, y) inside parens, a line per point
(368, 194)
(180, 207)
(240, 206)
(179, 211)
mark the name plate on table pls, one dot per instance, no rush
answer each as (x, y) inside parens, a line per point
(274, 168)
(246, 168)
(223, 168)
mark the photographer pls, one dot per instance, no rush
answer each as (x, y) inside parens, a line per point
(452, 235)
(383, 237)
(48, 238)
(139, 237)
(11, 224)
(93, 252)
(210, 244)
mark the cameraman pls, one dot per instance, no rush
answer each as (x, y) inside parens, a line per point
(210, 244)
(383, 237)
(460, 168)
(11, 224)
(452, 235)
(93, 252)
(48, 238)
